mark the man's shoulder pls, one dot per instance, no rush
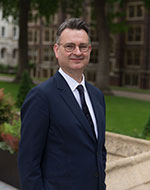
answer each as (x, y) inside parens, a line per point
(94, 88)
(48, 84)
(44, 88)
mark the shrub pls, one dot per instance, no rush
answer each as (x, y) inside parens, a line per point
(146, 131)
(10, 134)
(6, 107)
(25, 86)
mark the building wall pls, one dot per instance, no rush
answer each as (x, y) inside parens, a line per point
(9, 33)
(129, 51)
(133, 63)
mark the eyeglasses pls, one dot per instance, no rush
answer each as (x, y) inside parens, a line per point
(69, 47)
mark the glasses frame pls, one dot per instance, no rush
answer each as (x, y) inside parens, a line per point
(79, 46)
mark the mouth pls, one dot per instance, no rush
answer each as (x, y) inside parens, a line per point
(76, 59)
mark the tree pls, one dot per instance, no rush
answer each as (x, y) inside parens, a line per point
(20, 10)
(102, 76)
(25, 86)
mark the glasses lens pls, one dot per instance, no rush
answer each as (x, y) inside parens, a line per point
(84, 47)
(69, 47)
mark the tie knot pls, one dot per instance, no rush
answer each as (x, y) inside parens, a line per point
(80, 89)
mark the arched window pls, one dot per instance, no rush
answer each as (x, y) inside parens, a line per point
(3, 53)
(14, 54)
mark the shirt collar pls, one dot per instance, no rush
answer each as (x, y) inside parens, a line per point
(71, 82)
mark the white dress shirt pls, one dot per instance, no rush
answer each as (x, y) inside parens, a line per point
(73, 86)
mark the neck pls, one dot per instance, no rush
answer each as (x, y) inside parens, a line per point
(78, 76)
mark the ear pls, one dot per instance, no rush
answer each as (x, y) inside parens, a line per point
(90, 48)
(55, 48)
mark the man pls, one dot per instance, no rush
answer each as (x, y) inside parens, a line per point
(63, 122)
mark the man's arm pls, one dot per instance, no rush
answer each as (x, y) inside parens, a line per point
(34, 130)
(104, 152)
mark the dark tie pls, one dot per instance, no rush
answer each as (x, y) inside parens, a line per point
(84, 106)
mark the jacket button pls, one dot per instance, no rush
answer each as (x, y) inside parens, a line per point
(96, 174)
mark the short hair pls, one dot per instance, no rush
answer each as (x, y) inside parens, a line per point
(72, 23)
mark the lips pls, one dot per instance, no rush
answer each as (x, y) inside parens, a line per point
(77, 58)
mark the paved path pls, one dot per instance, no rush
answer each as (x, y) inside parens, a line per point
(7, 79)
(134, 95)
(4, 186)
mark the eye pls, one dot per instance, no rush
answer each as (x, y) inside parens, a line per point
(69, 47)
(84, 47)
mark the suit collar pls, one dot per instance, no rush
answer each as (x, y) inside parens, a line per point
(70, 81)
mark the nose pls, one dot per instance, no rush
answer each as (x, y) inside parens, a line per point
(77, 51)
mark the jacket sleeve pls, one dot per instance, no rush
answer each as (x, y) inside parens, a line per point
(34, 130)
(104, 151)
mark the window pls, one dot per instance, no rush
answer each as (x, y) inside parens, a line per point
(52, 35)
(46, 54)
(139, 10)
(3, 31)
(94, 56)
(135, 34)
(47, 36)
(3, 53)
(135, 11)
(130, 34)
(33, 53)
(131, 79)
(112, 45)
(35, 36)
(14, 32)
(131, 11)
(14, 54)
(91, 76)
(30, 36)
(138, 32)
(93, 35)
(133, 57)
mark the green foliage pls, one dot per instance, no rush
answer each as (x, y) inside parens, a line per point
(13, 129)
(10, 8)
(10, 135)
(74, 8)
(8, 69)
(146, 131)
(11, 88)
(4, 146)
(146, 3)
(116, 21)
(6, 105)
(44, 8)
(25, 86)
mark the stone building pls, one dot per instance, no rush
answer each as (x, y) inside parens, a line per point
(132, 64)
(9, 33)
(129, 55)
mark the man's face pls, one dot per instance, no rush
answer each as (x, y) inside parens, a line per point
(77, 59)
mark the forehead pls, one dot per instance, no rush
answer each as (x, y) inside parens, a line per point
(74, 36)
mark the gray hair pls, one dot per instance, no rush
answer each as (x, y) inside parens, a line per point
(72, 23)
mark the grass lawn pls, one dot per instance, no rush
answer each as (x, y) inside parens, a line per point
(126, 116)
(11, 88)
(123, 115)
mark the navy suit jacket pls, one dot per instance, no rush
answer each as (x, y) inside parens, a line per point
(58, 150)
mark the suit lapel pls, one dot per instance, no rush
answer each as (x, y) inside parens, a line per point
(97, 109)
(71, 102)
